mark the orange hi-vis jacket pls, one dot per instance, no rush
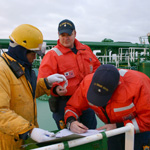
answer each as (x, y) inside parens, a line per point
(130, 102)
(74, 66)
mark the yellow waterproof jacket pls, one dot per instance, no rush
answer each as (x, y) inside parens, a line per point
(18, 113)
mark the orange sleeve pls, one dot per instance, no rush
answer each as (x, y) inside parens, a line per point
(78, 102)
(48, 65)
(141, 101)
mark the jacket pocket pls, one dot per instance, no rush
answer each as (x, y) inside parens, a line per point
(88, 65)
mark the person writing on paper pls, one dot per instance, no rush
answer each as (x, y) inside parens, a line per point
(19, 88)
(73, 59)
(118, 97)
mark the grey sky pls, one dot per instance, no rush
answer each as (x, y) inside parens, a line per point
(119, 20)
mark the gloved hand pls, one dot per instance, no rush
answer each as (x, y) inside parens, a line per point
(40, 135)
(57, 78)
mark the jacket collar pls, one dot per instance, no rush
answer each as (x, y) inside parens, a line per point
(6, 56)
(79, 46)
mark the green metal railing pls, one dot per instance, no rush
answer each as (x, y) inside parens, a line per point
(121, 54)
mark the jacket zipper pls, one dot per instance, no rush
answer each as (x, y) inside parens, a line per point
(105, 113)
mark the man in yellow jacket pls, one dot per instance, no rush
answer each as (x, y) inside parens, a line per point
(19, 88)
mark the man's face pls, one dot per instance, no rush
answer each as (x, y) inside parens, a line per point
(67, 40)
(31, 56)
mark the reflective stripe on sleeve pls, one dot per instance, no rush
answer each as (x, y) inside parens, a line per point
(136, 127)
(124, 108)
(72, 112)
(59, 53)
(122, 72)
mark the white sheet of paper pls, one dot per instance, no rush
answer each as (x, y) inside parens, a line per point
(66, 132)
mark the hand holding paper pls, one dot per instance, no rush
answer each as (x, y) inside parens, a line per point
(66, 132)
(78, 127)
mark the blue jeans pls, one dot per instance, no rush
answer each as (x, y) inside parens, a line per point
(88, 117)
(118, 142)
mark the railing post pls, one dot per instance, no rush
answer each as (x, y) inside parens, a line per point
(129, 138)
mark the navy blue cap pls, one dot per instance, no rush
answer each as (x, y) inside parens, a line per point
(66, 26)
(104, 82)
